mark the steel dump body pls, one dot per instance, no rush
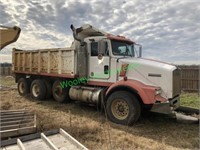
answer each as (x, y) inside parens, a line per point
(50, 62)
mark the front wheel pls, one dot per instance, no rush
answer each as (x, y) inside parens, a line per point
(123, 108)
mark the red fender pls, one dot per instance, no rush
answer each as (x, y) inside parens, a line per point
(146, 92)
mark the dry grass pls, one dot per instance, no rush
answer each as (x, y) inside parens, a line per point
(93, 130)
(7, 81)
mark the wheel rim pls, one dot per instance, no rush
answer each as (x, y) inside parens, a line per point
(35, 90)
(21, 87)
(120, 109)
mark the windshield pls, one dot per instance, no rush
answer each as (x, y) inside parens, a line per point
(122, 48)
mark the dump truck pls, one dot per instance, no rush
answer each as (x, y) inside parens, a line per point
(102, 69)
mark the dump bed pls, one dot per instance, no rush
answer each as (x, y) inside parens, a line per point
(49, 62)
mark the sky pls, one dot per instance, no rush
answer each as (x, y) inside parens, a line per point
(169, 30)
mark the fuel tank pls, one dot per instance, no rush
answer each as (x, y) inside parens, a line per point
(86, 94)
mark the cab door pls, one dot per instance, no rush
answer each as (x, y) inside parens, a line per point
(99, 62)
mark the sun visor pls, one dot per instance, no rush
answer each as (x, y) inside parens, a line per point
(88, 31)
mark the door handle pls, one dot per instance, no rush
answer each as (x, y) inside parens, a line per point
(106, 69)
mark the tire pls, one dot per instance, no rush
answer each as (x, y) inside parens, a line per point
(48, 88)
(23, 86)
(38, 89)
(123, 108)
(60, 94)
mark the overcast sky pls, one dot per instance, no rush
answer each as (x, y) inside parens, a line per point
(169, 30)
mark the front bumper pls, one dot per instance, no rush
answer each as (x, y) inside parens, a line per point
(166, 107)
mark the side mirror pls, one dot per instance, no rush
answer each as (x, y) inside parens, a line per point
(102, 47)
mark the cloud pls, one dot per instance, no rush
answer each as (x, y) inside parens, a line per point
(168, 30)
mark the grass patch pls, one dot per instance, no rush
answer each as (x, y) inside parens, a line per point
(190, 100)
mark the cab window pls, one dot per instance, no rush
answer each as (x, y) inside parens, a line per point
(94, 49)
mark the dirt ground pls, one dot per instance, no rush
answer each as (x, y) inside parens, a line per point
(92, 129)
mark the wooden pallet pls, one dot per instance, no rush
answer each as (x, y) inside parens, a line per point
(51, 140)
(16, 123)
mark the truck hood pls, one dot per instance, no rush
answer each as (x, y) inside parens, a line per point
(150, 72)
(142, 62)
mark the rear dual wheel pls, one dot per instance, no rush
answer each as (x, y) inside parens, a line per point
(23, 86)
(38, 89)
(48, 88)
(41, 89)
(60, 94)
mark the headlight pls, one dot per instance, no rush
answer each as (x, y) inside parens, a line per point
(158, 91)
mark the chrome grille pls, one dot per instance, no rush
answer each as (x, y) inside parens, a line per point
(176, 82)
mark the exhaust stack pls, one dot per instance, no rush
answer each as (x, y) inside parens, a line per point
(75, 35)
